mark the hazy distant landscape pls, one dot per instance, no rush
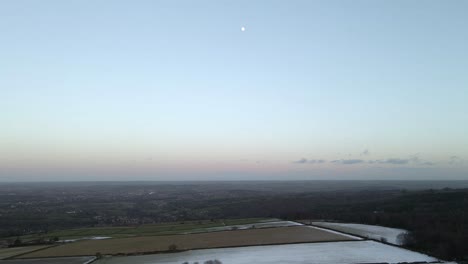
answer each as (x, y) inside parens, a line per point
(433, 212)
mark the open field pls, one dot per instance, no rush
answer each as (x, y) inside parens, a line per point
(260, 224)
(151, 229)
(10, 252)
(69, 260)
(147, 244)
(308, 253)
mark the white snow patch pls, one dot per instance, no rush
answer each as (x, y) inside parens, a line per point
(84, 238)
(99, 237)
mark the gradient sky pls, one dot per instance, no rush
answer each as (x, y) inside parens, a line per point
(174, 90)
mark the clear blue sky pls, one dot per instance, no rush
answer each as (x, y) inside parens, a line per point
(174, 90)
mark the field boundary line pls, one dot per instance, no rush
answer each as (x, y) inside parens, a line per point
(32, 251)
(337, 231)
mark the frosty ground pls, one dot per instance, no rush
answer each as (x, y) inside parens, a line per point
(307, 253)
(390, 235)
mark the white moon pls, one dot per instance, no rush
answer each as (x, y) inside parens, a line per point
(242, 29)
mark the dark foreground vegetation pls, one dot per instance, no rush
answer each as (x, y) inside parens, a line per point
(436, 214)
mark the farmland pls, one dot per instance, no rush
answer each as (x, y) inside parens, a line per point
(390, 235)
(308, 253)
(149, 229)
(149, 244)
(69, 260)
(10, 252)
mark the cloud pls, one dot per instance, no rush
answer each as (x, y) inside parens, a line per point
(396, 161)
(456, 160)
(428, 163)
(365, 152)
(414, 159)
(301, 161)
(307, 161)
(392, 161)
(348, 161)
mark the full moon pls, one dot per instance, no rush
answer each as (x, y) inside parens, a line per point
(242, 28)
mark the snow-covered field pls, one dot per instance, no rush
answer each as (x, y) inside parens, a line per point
(336, 232)
(310, 253)
(263, 224)
(370, 231)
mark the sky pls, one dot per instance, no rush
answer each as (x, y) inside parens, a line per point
(175, 90)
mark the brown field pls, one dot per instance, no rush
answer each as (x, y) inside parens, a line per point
(70, 260)
(148, 244)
